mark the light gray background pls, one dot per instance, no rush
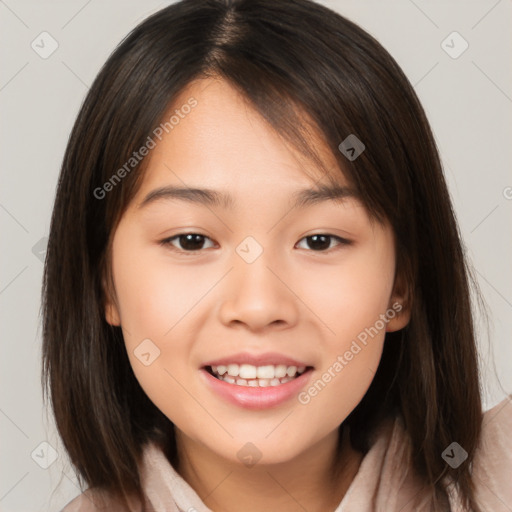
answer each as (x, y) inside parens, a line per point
(468, 101)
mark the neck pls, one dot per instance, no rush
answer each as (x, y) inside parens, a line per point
(315, 480)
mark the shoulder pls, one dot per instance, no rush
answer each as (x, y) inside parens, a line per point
(492, 465)
(495, 446)
(95, 500)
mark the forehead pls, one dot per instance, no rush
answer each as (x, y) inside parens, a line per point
(223, 141)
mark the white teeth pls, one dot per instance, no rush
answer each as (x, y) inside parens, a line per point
(265, 372)
(255, 383)
(280, 371)
(249, 371)
(233, 370)
(292, 370)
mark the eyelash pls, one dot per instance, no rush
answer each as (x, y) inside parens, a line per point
(167, 242)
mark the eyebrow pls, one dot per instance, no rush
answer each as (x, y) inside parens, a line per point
(216, 198)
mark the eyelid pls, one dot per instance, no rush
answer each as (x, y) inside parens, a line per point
(166, 242)
(341, 242)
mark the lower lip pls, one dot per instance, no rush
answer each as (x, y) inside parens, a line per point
(257, 398)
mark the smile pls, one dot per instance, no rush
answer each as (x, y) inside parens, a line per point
(256, 376)
(253, 392)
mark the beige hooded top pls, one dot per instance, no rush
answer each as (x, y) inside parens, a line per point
(383, 483)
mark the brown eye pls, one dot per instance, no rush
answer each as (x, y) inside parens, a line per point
(322, 242)
(188, 242)
(193, 242)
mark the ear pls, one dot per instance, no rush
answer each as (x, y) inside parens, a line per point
(400, 303)
(112, 315)
(111, 310)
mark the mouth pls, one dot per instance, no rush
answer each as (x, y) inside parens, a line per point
(256, 376)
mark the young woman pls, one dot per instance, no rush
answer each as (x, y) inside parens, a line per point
(255, 295)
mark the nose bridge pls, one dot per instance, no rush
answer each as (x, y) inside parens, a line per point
(252, 269)
(256, 294)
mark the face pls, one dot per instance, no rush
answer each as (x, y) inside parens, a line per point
(312, 283)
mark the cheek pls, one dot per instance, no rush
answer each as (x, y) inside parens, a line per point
(339, 386)
(350, 300)
(152, 304)
(157, 307)
(350, 295)
(154, 295)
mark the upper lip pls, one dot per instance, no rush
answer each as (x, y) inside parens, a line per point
(268, 358)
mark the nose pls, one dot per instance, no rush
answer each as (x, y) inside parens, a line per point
(259, 296)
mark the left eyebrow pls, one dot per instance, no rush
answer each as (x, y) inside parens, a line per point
(300, 199)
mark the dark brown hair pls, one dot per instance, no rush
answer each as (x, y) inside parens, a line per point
(293, 60)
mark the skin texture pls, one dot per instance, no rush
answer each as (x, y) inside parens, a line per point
(294, 299)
